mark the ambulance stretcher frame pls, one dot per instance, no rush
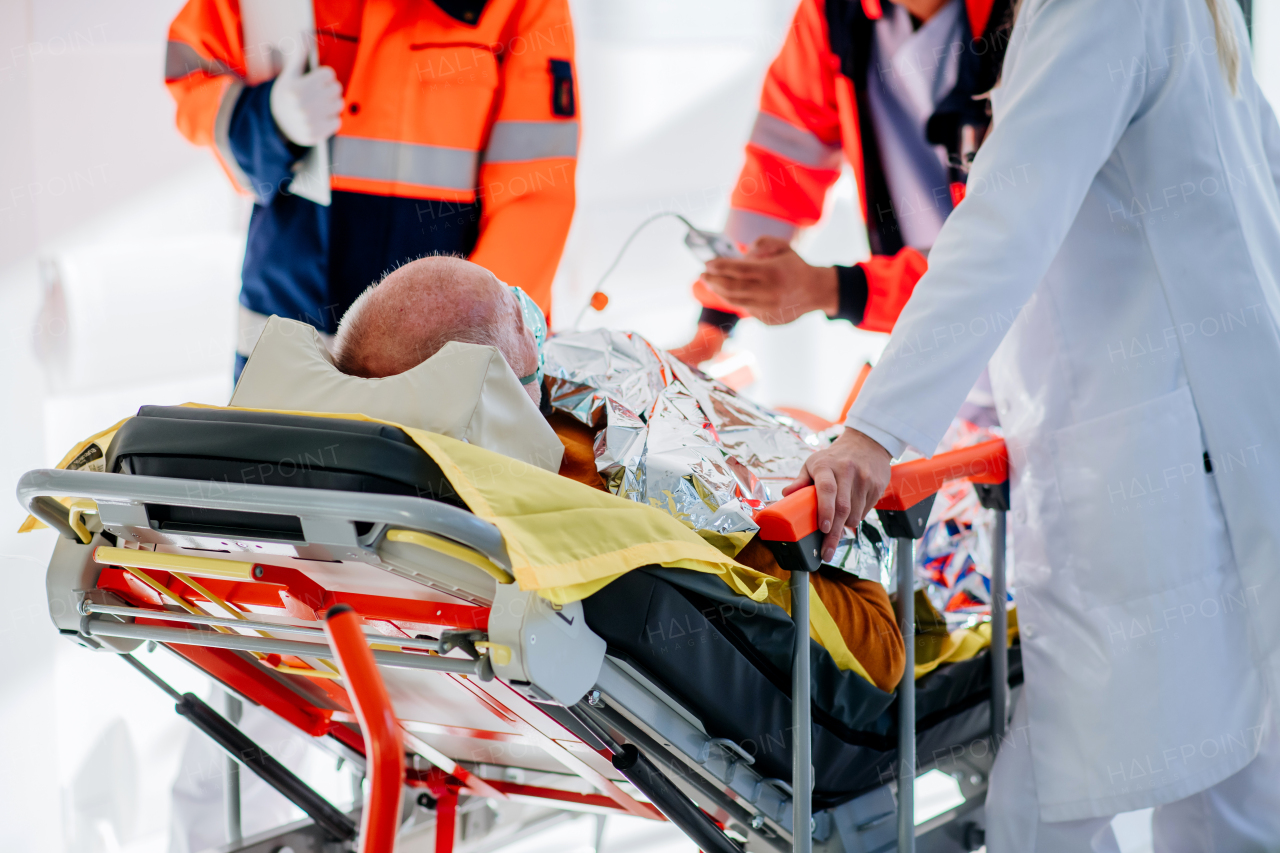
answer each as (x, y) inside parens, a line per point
(623, 718)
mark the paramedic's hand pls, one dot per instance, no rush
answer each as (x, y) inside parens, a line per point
(850, 477)
(773, 283)
(307, 107)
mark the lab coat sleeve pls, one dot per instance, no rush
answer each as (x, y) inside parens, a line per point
(1266, 117)
(1061, 111)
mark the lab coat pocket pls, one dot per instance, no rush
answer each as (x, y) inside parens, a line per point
(1142, 514)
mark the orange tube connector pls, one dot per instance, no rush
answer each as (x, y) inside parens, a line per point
(383, 747)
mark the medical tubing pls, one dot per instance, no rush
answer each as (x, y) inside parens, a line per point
(617, 259)
(672, 802)
(384, 749)
(275, 774)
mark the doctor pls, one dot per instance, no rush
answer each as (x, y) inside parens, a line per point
(1117, 259)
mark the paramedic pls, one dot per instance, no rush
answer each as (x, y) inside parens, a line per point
(889, 88)
(452, 128)
(1117, 259)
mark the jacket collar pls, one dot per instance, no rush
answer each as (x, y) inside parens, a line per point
(464, 11)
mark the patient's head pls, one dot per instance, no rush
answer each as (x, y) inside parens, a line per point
(408, 317)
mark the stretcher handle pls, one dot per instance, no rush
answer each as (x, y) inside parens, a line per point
(383, 747)
(796, 516)
(912, 482)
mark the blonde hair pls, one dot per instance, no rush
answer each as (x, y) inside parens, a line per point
(1224, 32)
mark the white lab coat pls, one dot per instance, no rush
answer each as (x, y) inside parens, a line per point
(1116, 260)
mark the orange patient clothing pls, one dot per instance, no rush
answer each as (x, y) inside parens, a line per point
(860, 608)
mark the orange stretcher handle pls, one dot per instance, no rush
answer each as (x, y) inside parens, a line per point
(383, 747)
(912, 482)
(796, 516)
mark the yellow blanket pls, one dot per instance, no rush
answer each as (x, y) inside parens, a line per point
(966, 643)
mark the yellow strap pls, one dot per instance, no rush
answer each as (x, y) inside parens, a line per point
(331, 672)
(169, 594)
(205, 567)
(451, 549)
(500, 654)
(309, 673)
(77, 508)
(823, 628)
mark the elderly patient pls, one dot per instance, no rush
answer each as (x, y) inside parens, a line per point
(409, 316)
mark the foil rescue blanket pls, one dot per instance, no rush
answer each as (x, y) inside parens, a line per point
(673, 438)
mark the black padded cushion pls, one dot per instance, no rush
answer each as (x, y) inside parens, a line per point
(236, 447)
(728, 660)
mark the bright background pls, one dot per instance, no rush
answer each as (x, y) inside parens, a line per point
(119, 251)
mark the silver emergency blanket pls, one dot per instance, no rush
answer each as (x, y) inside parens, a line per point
(674, 438)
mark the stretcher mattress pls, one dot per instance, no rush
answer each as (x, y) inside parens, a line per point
(728, 660)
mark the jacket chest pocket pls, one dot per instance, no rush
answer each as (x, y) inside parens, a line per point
(1141, 510)
(451, 93)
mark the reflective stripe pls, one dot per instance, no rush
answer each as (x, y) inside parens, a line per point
(800, 146)
(182, 60)
(249, 329)
(518, 141)
(404, 163)
(744, 226)
(222, 137)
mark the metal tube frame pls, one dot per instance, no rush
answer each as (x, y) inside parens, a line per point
(314, 507)
(239, 642)
(904, 560)
(231, 794)
(90, 607)
(999, 635)
(801, 719)
(380, 818)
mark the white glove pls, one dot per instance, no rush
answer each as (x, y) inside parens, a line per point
(307, 107)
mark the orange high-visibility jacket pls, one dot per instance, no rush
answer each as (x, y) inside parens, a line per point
(474, 104)
(811, 116)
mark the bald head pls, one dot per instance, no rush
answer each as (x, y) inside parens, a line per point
(412, 313)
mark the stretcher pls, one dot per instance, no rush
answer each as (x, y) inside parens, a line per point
(386, 625)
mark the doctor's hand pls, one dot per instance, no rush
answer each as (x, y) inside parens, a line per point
(850, 476)
(307, 107)
(773, 283)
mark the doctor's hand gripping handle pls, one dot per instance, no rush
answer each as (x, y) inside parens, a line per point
(796, 516)
(383, 747)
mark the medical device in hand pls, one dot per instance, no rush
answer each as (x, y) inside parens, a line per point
(705, 246)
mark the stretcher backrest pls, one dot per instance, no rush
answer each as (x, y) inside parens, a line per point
(231, 448)
(464, 391)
